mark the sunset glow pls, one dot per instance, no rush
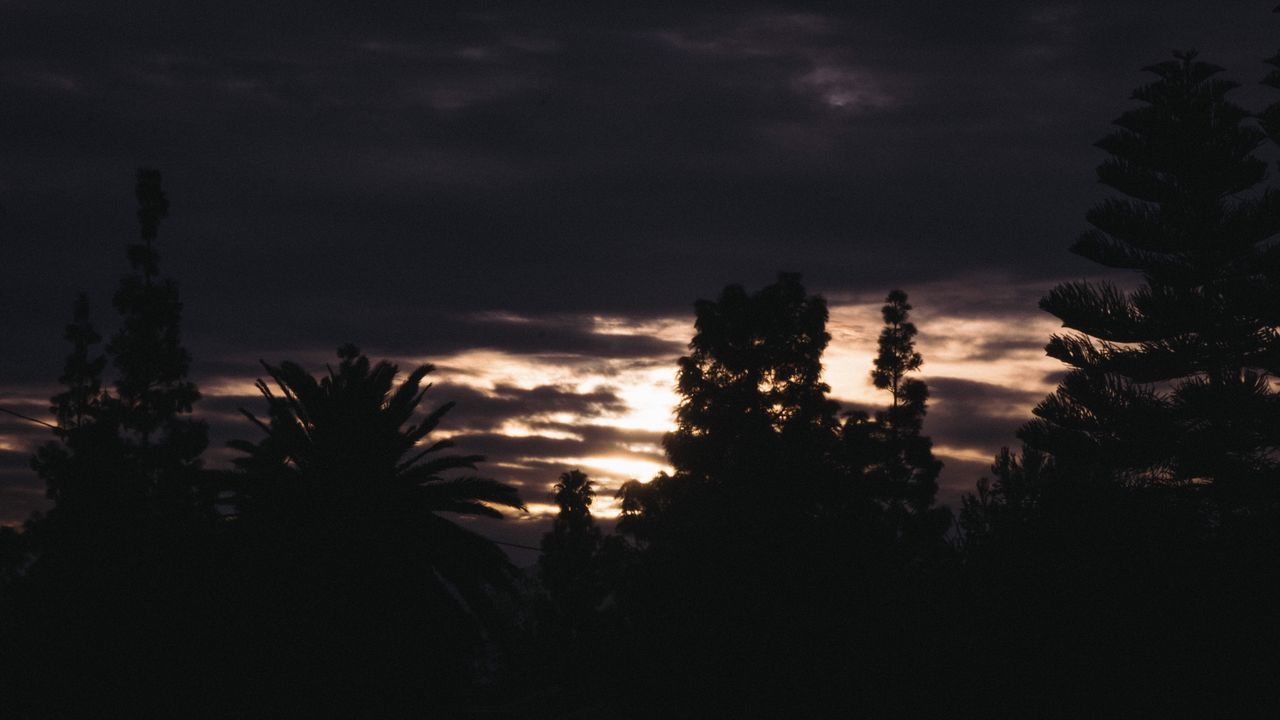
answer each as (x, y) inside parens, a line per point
(633, 399)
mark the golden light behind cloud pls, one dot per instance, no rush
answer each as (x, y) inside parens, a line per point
(1001, 351)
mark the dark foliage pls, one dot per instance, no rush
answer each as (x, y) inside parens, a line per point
(569, 564)
(101, 600)
(1169, 382)
(765, 561)
(350, 585)
(754, 420)
(1125, 551)
(890, 457)
(791, 565)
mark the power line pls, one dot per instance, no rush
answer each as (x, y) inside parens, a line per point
(515, 545)
(28, 418)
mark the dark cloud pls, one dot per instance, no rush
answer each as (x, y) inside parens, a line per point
(970, 417)
(977, 415)
(11, 461)
(958, 479)
(411, 158)
(995, 349)
(476, 410)
(423, 180)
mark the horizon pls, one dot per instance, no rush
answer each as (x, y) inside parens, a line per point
(534, 201)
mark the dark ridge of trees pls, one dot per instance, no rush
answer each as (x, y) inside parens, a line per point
(318, 578)
(791, 565)
(1169, 382)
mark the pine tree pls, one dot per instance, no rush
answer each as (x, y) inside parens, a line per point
(906, 471)
(82, 373)
(897, 355)
(154, 397)
(84, 469)
(999, 508)
(1170, 382)
(121, 555)
(125, 463)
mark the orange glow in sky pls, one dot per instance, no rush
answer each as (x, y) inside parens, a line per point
(643, 389)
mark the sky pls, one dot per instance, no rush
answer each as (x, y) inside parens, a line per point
(531, 198)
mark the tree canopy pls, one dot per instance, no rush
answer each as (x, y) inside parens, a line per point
(1169, 381)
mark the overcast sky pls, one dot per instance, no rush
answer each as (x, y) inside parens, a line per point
(532, 198)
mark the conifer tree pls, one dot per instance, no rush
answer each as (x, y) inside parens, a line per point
(84, 469)
(999, 507)
(154, 397)
(118, 556)
(81, 402)
(124, 460)
(895, 459)
(1170, 380)
(897, 349)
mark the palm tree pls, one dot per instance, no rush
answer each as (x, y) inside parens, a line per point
(346, 497)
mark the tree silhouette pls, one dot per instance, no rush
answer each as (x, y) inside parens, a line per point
(84, 469)
(897, 348)
(153, 395)
(754, 416)
(1169, 382)
(1270, 116)
(338, 459)
(375, 596)
(129, 519)
(127, 460)
(568, 565)
(732, 560)
(999, 507)
(13, 555)
(903, 472)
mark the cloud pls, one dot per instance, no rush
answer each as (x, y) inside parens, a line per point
(475, 189)
(977, 415)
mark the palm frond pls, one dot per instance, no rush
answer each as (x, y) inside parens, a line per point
(430, 471)
(471, 489)
(434, 447)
